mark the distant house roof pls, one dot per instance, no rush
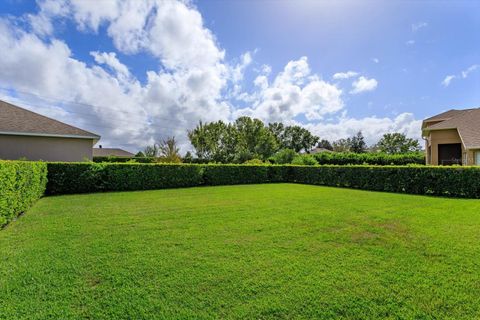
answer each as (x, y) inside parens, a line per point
(467, 123)
(319, 150)
(18, 121)
(112, 152)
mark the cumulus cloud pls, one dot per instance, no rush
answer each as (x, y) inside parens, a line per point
(363, 84)
(193, 81)
(294, 91)
(116, 105)
(344, 75)
(372, 128)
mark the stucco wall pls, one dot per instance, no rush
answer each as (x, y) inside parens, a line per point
(45, 148)
(441, 137)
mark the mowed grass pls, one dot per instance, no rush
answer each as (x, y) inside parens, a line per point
(236, 252)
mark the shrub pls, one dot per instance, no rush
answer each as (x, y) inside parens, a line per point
(305, 159)
(254, 162)
(22, 183)
(345, 158)
(441, 181)
(283, 156)
(94, 177)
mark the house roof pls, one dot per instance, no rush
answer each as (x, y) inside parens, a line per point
(445, 115)
(112, 152)
(18, 121)
(467, 123)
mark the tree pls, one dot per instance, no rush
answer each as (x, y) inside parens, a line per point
(188, 158)
(357, 143)
(341, 145)
(253, 140)
(395, 143)
(293, 137)
(284, 156)
(243, 140)
(168, 150)
(325, 144)
(140, 154)
(151, 151)
(214, 141)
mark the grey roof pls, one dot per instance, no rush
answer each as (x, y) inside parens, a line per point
(467, 123)
(112, 152)
(18, 121)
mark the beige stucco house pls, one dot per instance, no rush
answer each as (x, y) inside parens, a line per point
(453, 137)
(28, 135)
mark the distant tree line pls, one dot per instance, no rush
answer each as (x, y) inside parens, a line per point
(249, 140)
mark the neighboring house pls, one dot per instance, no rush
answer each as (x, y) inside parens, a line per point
(111, 152)
(453, 137)
(319, 150)
(28, 135)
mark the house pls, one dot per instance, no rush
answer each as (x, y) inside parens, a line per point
(319, 150)
(111, 152)
(453, 137)
(28, 135)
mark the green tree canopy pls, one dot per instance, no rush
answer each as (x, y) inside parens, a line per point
(396, 143)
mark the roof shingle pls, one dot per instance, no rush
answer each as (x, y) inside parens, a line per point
(16, 120)
(467, 124)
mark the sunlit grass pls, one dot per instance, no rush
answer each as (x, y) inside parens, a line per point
(250, 251)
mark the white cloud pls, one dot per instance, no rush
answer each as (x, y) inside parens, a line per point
(462, 75)
(116, 104)
(293, 92)
(418, 26)
(447, 80)
(345, 75)
(111, 60)
(192, 83)
(363, 84)
(375, 60)
(373, 128)
(410, 42)
(469, 70)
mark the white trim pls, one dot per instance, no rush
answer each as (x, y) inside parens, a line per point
(7, 133)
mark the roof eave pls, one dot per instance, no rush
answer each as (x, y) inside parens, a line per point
(49, 135)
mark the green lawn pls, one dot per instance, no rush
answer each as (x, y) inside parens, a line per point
(250, 251)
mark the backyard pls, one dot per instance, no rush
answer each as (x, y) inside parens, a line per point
(246, 251)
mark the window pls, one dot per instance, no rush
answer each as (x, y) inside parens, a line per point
(477, 158)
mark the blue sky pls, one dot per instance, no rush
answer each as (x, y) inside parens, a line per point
(336, 68)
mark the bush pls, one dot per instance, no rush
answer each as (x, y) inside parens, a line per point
(284, 156)
(345, 158)
(441, 181)
(305, 159)
(94, 177)
(254, 162)
(22, 183)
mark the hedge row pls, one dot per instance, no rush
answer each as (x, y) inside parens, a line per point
(461, 182)
(21, 184)
(94, 177)
(345, 158)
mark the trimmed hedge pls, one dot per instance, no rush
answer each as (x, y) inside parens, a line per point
(21, 184)
(94, 177)
(462, 182)
(349, 158)
(64, 178)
